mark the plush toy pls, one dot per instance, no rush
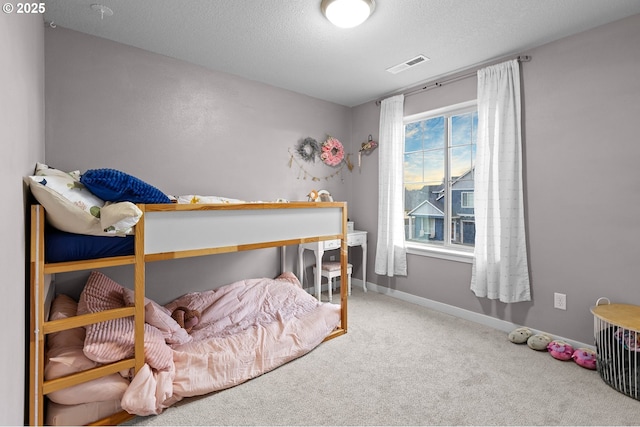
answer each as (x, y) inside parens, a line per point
(539, 342)
(520, 335)
(585, 357)
(560, 350)
(186, 317)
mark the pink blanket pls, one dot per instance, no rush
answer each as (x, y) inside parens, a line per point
(247, 328)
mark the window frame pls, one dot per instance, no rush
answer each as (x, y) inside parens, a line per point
(450, 252)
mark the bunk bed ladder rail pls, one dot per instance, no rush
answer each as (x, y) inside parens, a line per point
(41, 327)
(36, 338)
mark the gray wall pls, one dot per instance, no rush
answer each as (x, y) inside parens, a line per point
(21, 145)
(183, 128)
(186, 130)
(581, 108)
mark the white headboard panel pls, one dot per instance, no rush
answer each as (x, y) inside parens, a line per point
(184, 230)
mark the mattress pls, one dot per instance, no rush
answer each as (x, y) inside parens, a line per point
(61, 246)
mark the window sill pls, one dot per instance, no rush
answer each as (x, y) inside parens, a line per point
(442, 253)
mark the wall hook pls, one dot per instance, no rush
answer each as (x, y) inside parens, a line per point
(366, 147)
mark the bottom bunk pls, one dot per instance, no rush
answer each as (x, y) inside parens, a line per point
(199, 343)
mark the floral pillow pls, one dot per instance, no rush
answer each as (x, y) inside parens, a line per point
(73, 191)
(71, 207)
(46, 170)
(119, 218)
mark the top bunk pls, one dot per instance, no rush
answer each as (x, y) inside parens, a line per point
(171, 231)
(95, 215)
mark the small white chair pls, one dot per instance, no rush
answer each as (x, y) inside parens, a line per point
(331, 270)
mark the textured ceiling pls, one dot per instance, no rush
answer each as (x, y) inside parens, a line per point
(291, 45)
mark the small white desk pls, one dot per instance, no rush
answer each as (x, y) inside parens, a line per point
(355, 238)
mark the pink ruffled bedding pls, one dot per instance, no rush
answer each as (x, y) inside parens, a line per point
(246, 328)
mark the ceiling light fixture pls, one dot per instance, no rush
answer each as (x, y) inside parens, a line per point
(347, 13)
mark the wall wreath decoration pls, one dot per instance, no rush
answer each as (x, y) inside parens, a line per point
(332, 152)
(308, 149)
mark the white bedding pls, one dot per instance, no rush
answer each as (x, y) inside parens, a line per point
(246, 328)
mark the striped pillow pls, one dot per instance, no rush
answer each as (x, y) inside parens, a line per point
(110, 341)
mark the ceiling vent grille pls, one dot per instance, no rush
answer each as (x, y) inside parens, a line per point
(408, 64)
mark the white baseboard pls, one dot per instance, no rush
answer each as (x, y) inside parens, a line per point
(483, 319)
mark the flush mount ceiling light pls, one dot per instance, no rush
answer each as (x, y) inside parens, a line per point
(347, 13)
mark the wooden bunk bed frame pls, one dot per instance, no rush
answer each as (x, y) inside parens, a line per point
(171, 231)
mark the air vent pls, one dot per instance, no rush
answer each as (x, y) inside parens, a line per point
(408, 64)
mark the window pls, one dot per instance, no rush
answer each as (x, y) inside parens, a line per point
(467, 199)
(439, 160)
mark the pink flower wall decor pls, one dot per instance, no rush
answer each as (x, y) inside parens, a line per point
(332, 152)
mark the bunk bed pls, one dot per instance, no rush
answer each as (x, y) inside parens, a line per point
(166, 232)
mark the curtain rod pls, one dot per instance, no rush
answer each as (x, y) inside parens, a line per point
(439, 83)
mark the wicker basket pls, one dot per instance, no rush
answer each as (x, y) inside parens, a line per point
(617, 337)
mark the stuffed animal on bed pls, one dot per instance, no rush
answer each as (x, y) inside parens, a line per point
(560, 350)
(186, 317)
(520, 335)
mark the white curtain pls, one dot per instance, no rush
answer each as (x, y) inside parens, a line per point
(500, 269)
(391, 254)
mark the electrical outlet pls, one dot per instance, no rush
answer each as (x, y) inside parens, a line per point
(560, 301)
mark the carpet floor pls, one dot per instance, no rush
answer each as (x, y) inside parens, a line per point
(403, 364)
